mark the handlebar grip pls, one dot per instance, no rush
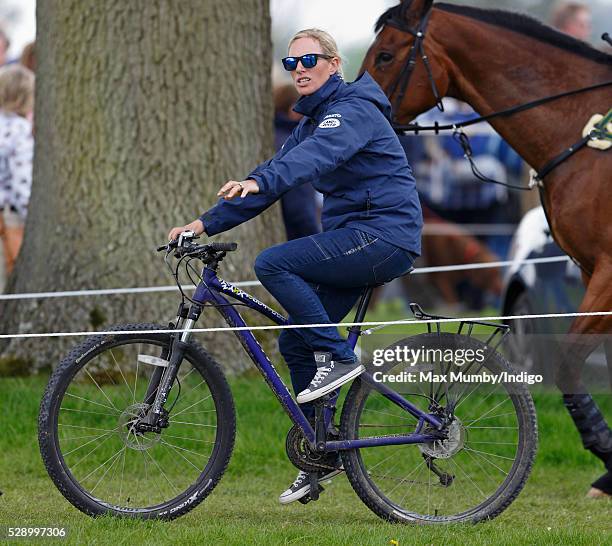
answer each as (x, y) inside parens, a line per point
(223, 247)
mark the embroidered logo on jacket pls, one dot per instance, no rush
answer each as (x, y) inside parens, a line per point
(329, 123)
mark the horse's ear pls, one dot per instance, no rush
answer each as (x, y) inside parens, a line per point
(414, 10)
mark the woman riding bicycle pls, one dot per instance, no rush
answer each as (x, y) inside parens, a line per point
(345, 146)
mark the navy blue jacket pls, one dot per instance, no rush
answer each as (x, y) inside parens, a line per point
(346, 147)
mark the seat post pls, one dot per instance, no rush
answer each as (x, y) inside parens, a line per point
(362, 307)
(363, 304)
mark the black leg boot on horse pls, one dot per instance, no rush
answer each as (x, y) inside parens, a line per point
(594, 431)
(595, 434)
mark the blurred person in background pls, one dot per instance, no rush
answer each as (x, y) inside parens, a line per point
(450, 190)
(28, 57)
(5, 43)
(16, 153)
(299, 205)
(573, 18)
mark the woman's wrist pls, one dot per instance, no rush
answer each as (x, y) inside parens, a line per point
(197, 226)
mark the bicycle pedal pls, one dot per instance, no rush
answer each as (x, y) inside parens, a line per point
(315, 488)
(305, 499)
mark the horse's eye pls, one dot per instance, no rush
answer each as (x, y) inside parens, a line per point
(383, 58)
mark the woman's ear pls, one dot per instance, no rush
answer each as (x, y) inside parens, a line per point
(334, 65)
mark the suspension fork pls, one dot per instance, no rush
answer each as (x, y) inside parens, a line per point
(163, 378)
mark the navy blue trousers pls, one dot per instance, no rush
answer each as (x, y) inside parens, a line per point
(317, 279)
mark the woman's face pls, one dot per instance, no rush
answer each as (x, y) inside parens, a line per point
(308, 80)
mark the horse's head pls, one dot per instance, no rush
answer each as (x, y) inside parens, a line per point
(410, 69)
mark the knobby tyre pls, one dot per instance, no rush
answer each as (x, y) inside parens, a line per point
(472, 476)
(102, 465)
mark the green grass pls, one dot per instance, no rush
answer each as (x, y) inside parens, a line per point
(244, 509)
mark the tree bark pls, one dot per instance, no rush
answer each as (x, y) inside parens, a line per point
(143, 109)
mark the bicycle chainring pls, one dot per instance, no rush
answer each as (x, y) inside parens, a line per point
(303, 457)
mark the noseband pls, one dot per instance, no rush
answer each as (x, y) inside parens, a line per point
(417, 47)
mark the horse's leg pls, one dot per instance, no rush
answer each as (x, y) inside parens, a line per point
(594, 431)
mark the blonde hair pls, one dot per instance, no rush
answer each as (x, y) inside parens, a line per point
(563, 12)
(327, 43)
(16, 89)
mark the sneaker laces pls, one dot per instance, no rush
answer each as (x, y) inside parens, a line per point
(321, 374)
(299, 478)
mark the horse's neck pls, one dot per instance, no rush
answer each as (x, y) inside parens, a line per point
(495, 69)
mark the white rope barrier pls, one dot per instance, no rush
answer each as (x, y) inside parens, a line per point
(292, 326)
(150, 289)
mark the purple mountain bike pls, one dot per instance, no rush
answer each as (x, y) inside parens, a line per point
(142, 424)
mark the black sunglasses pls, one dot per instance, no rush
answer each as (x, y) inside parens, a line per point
(308, 61)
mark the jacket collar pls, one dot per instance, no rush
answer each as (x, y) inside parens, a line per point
(309, 105)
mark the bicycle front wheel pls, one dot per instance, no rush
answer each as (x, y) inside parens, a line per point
(94, 455)
(472, 475)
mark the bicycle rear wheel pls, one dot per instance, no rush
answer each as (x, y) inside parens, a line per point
(474, 474)
(94, 456)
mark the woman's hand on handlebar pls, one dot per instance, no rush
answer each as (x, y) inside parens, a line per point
(232, 188)
(196, 226)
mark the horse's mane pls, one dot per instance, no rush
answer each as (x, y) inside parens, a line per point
(516, 22)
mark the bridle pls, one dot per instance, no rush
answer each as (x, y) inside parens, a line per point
(417, 47)
(403, 79)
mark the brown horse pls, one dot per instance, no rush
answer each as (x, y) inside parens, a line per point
(494, 60)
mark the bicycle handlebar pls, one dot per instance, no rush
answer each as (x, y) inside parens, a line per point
(223, 247)
(184, 245)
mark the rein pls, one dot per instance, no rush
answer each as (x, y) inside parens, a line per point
(460, 136)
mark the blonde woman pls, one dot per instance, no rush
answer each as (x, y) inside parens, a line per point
(16, 151)
(345, 146)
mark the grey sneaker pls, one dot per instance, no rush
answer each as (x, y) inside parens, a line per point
(330, 375)
(301, 486)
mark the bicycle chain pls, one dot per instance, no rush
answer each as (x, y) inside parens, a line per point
(303, 457)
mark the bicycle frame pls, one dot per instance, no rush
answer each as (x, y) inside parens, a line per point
(210, 290)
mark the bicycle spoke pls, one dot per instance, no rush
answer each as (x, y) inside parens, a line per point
(85, 456)
(90, 428)
(194, 404)
(123, 376)
(122, 476)
(487, 453)
(491, 417)
(108, 469)
(391, 414)
(470, 479)
(490, 462)
(136, 378)
(481, 467)
(87, 411)
(86, 443)
(101, 465)
(190, 439)
(507, 428)
(180, 454)
(193, 424)
(162, 472)
(403, 480)
(386, 458)
(100, 389)
(92, 402)
(184, 449)
(490, 410)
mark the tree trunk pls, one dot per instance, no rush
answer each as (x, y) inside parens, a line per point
(143, 109)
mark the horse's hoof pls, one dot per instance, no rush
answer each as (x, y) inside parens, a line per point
(595, 493)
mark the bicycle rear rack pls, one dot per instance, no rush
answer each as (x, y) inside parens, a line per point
(465, 327)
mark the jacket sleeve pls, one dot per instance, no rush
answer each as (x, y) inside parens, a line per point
(345, 130)
(228, 214)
